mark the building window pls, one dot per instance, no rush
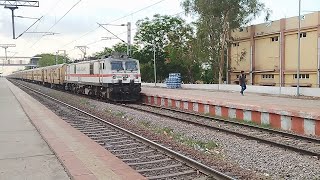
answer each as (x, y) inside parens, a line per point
(276, 38)
(240, 29)
(267, 76)
(303, 34)
(302, 76)
(236, 44)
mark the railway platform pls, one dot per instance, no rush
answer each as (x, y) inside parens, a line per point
(300, 116)
(37, 144)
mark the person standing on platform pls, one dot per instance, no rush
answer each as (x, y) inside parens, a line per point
(242, 82)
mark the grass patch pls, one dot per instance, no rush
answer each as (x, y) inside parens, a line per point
(108, 110)
(145, 124)
(84, 102)
(120, 114)
(268, 126)
(205, 146)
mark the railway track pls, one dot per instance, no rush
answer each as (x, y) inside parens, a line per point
(152, 160)
(298, 143)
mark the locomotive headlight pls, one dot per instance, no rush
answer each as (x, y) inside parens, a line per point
(114, 77)
(137, 76)
(126, 76)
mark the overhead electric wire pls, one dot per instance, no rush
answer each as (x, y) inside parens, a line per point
(89, 32)
(29, 27)
(53, 7)
(137, 11)
(81, 36)
(24, 17)
(58, 21)
(64, 15)
(112, 33)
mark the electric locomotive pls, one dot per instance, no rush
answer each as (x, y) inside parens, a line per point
(115, 78)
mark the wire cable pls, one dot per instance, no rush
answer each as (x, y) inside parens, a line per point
(91, 31)
(29, 27)
(137, 11)
(57, 21)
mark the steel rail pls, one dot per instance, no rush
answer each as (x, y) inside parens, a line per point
(293, 148)
(311, 139)
(191, 162)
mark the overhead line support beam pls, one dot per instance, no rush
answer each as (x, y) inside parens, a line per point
(19, 3)
(13, 5)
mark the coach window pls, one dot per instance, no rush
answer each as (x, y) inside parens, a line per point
(75, 69)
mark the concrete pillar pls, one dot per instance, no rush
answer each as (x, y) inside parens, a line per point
(252, 53)
(318, 69)
(282, 51)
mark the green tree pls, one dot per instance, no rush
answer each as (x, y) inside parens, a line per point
(120, 48)
(216, 20)
(170, 37)
(48, 59)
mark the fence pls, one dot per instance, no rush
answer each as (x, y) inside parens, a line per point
(315, 92)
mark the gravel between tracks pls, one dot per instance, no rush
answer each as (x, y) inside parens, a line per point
(244, 159)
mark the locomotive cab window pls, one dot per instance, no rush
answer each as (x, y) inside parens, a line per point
(131, 66)
(116, 65)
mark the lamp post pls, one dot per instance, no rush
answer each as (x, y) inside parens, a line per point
(299, 39)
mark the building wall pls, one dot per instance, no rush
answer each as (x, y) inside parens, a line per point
(240, 59)
(267, 28)
(240, 56)
(267, 79)
(309, 50)
(242, 34)
(267, 53)
(276, 56)
(308, 21)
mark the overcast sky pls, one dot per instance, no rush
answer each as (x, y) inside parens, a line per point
(79, 26)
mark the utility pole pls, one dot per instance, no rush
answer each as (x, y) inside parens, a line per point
(129, 38)
(12, 8)
(64, 55)
(6, 46)
(56, 58)
(83, 49)
(299, 39)
(154, 64)
(13, 5)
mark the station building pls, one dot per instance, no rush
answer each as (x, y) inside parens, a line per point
(268, 52)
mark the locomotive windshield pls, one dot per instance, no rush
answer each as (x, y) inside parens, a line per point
(131, 66)
(116, 65)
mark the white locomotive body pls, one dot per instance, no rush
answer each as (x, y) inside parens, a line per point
(117, 79)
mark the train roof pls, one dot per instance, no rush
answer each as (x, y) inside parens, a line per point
(54, 66)
(107, 58)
